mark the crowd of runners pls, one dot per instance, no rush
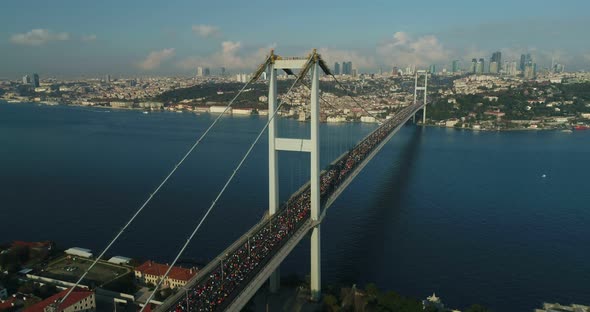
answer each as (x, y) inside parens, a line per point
(210, 293)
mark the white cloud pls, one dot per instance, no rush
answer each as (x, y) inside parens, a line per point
(206, 30)
(403, 49)
(38, 37)
(155, 58)
(88, 37)
(231, 55)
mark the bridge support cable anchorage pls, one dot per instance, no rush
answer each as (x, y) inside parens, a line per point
(230, 179)
(159, 187)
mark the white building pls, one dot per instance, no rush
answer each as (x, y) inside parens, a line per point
(368, 119)
(80, 252)
(219, 109)
(120, 260)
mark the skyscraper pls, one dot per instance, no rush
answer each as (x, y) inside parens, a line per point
(524, 60)
(26, 79)
(200, 71)
(347, 68)
(432, 69)
(530, 71)
(496, 57)
(473, 66)
(481, 64)
(222, 71)
(36, 80)
(494, 67)
(206, 71)
(336, 68)
(456, 66)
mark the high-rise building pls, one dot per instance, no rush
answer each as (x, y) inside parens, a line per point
(36, 80)
(26, 79)
(473, 66)
(200, 71)
(456, 66)
(494, 67)
(107, 79)
(530, 71)
(432, 69)
(496, 57)
(346, 68)
(222, 71)
(524, 60)
(207, 71)
(336, 68)
(480, 66)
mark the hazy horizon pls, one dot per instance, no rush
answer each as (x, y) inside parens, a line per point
(150, 38)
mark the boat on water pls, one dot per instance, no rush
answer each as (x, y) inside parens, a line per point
(581, 127)
(146, 112)
(567, 131)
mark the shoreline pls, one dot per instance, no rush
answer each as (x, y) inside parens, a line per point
(566, 130)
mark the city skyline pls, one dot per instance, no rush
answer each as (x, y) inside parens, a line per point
(70, 39)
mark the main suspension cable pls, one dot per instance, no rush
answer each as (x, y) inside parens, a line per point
(191, 236)
(152, 194)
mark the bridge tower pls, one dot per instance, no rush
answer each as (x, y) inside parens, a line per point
(312, 64)
(424, 88)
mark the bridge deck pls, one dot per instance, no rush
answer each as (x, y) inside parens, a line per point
(262, 269)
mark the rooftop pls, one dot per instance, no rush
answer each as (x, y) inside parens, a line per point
(157, 269)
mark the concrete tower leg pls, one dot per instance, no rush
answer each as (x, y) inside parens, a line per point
(273, 169)
(315, 185)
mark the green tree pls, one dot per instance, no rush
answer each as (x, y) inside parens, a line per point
(330, 303)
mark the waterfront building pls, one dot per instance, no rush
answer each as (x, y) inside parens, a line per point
(79, 300)
(556, 307)
(151, 272)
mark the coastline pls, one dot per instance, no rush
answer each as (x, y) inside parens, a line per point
(566, 130)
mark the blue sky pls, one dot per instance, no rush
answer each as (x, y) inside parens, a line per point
(91, 38)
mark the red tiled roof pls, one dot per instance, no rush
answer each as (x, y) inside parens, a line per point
(7, 304)
(77, 295)
(157, 269)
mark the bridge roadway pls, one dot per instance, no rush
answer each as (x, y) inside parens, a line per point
(230, 280)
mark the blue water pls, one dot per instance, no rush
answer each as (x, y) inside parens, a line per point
(467, 215)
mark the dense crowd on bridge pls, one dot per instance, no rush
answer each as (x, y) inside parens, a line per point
(223, 282)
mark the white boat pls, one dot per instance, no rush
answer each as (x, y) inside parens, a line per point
(146, 112)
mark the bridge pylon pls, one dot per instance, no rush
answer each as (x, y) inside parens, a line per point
(424, 88)
(312, 64)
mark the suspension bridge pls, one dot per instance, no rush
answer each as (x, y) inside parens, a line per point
(232, 278)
